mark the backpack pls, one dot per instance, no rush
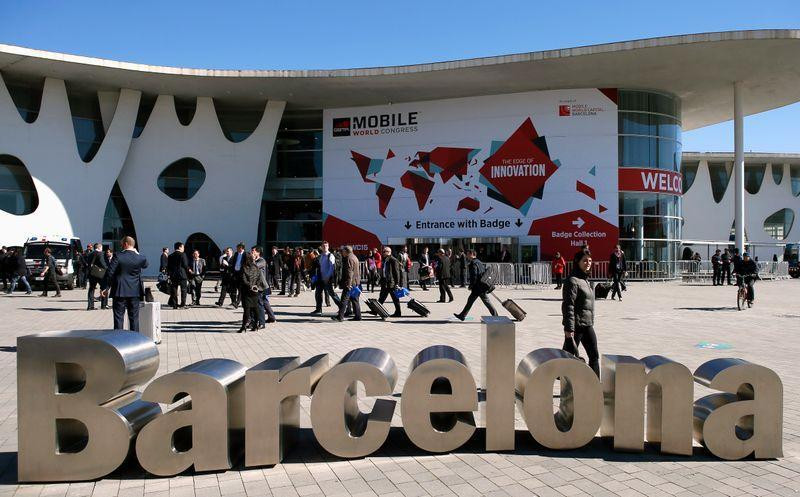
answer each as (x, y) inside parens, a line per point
(487, 276)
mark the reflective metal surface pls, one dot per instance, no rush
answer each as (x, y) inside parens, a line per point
(216, 388)
(581, 399)
(439, 398)
(272, 404)
(70, 376)
(497, 378)
(670, 390)
(747, 418)
(338, 424)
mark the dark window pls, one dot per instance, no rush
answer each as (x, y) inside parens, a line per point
(794, 177)
(777, 173)
(27, 97)
(185, 108)
(649, 204)
(291, 230)
(87, 122)
(182, 179)
(117, 221)
(689, 172)
(17, 192)
(306, 210)
(779, 224)
(238, 122)
(207, 248)
(753, 176)
(146, 105)
(720, 173)
(646, 101)
(641, 123)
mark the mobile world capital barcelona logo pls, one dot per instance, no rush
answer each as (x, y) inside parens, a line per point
(376, 124)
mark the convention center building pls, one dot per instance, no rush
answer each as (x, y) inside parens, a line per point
(536, 152)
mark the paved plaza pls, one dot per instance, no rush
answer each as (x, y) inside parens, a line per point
(688, 323)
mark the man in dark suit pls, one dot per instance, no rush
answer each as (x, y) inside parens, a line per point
(124, 275)
(505, 255)
(390, 280)
(197, 269)
(162, 267)
(443, 275)
(236, 264)
(178, 270)
(96, 260)
(351, 277)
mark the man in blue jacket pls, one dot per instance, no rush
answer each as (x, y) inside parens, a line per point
(124, 279)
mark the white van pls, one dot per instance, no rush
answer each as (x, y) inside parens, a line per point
(64, 250)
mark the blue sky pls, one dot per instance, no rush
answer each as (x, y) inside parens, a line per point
(316, 34)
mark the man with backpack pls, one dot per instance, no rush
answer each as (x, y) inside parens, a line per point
(480, 285)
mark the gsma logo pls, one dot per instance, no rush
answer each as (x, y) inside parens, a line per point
(341, 126)
(563, 110)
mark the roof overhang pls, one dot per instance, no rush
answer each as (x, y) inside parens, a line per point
(698, 68)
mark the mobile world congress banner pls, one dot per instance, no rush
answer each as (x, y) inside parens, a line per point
(537, 163)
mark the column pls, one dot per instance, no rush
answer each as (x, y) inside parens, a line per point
(738, 164)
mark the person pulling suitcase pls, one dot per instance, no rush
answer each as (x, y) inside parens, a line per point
(390, 280)
(478, 288)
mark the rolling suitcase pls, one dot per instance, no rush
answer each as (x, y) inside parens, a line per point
(377, 308)
(601, 290)
(515, 310)
(418, 307)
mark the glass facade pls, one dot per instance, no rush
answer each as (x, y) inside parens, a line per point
(146, 104)
(207, 248)
(720, 173)
(779, 224)
(753, 176)
(182, 179)
(27, 97)
(17, 192)
(87, 122)
(794, 177)
(238, 122)
(117, 221)
(650, 137)
(777, 173)
(291, 207)
(689, 173)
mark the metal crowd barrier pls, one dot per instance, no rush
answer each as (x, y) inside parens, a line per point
(537, 275)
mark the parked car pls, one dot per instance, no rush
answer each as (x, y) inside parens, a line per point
(63, 250)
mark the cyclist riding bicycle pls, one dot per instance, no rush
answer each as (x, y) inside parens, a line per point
(746, 274)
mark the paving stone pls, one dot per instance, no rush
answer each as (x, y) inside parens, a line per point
(655, 318)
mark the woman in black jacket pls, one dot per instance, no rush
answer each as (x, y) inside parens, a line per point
(252, 282)
(577, 307)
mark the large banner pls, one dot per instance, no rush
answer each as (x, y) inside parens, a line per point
(539, 163)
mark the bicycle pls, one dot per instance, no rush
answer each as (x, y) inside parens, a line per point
(743, 300)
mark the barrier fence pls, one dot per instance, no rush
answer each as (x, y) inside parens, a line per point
(540, 274)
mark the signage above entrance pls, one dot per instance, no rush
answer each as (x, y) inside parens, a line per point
(634, 179)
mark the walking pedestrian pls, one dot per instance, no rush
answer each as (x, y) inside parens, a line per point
(577, 309)
(478, 289)
(18, 270)
(443, 275)
(123, 282)
(97, 277)
(323, 276)
(48, 265)
(559, 265)
(252, 282)
(264, 312)
(616, 266)
(351, 278)
(225, 277)
(716, 267)
(197, 271)
(178, 268)
(390, 280)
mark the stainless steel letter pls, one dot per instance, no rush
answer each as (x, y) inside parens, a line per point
(69, 429)
(338, 424)
(747, 418)
(439, 397)
(273, 406)
(669, 388)
(216, 389)
(497, 375)
(581, 406)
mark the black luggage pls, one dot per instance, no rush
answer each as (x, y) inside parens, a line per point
(601, 290)
(418, 307)
(377, 308)
(512, 307)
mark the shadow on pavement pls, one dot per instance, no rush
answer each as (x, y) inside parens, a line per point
(706, 309)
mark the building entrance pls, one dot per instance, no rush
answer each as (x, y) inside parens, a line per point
(489, 249)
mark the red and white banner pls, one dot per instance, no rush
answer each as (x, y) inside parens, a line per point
(486, 166)
(634, 179)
